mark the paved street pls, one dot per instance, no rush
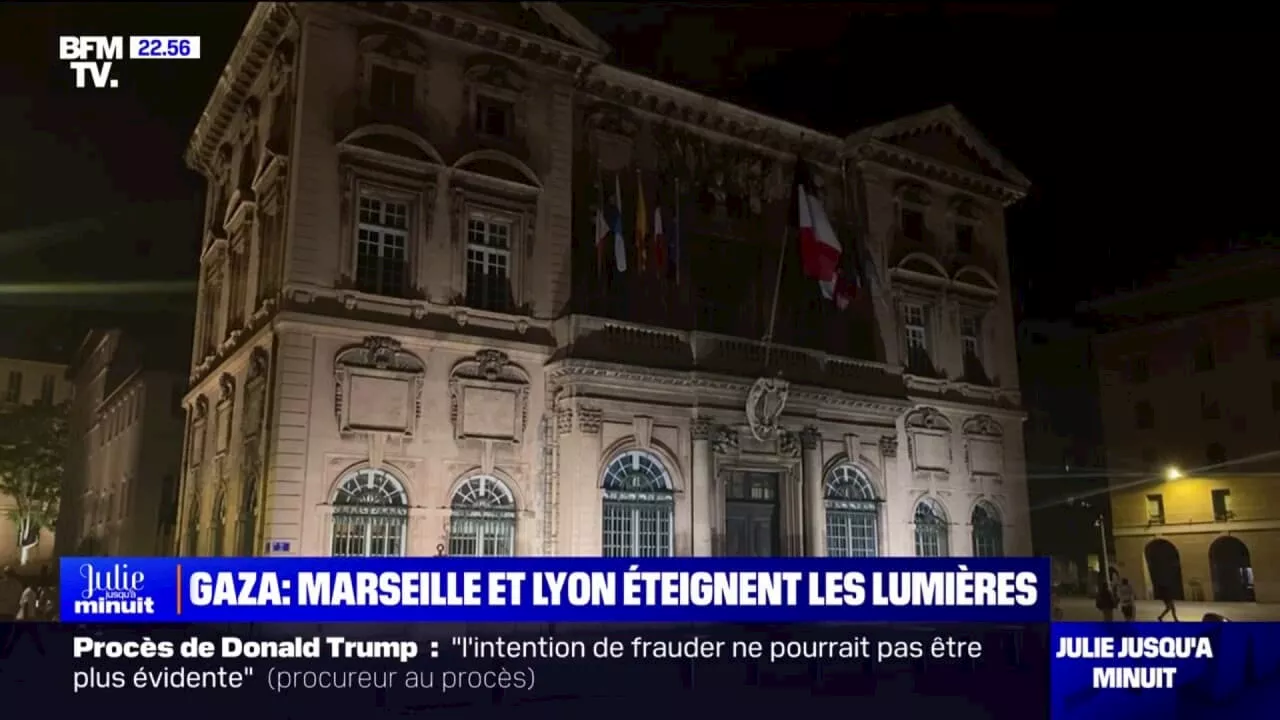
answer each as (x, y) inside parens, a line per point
(1082, 609)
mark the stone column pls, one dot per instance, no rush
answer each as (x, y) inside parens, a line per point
(889, 528)
(701, 487)
(815, 511)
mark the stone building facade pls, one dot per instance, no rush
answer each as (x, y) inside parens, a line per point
(1189, 371)
(122, 473)
(409, 340)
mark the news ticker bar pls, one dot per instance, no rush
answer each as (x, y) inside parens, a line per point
(1014, 590)
(1083, 670)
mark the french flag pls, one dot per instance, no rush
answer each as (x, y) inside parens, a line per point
(820, 249)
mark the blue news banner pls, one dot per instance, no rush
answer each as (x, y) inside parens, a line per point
(294, 636)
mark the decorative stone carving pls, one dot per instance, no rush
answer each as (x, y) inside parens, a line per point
(378, 388)
(258, 363)
(765, 403)
(983, 447)
(725, 441)
(725, 169)
(983, 425)
(394, 46)
(929, 440)
(493, 72)
(612, 119)
(489, 398)
(200, 410)
(789, 444)
(852, 447)
(928, 418)
(226, 388)
(810, 436)
(888, 446)
(590, 420)
(701, 428)
(642, 429)
(564, 421)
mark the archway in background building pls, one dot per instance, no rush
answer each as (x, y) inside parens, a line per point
(1231, 569)
(1164, 566)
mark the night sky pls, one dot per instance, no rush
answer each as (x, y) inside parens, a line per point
(1142, 145)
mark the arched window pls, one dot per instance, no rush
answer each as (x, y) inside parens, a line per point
(370, 516)
(988, 531)
(192, 542)
(931, 529)
(218, 525)
(853, 514)
(483, 519)
(638, 507)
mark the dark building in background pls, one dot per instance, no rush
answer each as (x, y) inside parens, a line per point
(121, 488)
(1189, 374)
(1066, 474)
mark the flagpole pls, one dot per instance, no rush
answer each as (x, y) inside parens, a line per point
(777, 290)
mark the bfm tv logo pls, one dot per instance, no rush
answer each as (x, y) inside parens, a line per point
(113, 590)
(91, 57)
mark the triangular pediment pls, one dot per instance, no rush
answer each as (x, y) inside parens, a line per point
(544, 19)
(946, 136)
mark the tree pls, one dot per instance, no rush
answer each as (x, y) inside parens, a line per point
(33, 443)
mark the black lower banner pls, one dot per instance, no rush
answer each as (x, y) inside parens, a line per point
(969, 671)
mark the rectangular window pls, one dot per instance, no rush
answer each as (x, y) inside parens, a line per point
(382, 245)
(917, 335)
(1155, 509)
(1222, 505)
(13, 387)
(391, 90)
(488, 263)
(964, 238)
(912, 224)
(970, 334)
(47, 385)
(494, 117)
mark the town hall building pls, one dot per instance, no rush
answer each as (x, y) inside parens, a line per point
(414, 338)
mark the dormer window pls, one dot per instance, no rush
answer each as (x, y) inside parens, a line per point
(912, 201)
(494, 117)
(391, 90)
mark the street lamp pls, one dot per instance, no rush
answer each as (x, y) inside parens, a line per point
(1172, 473)
(1101, 524)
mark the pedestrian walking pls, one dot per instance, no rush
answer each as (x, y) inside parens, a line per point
(1106, 601)
(1164, 594)
(1126, 599)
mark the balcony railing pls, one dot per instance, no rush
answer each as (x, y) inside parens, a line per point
(589, 337)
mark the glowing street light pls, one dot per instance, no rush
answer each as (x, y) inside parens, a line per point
(1172, 473)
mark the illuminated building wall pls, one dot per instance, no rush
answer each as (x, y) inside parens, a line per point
(1190, 395)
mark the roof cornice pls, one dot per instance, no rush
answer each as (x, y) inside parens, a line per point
(891, 155)
(261, 33)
